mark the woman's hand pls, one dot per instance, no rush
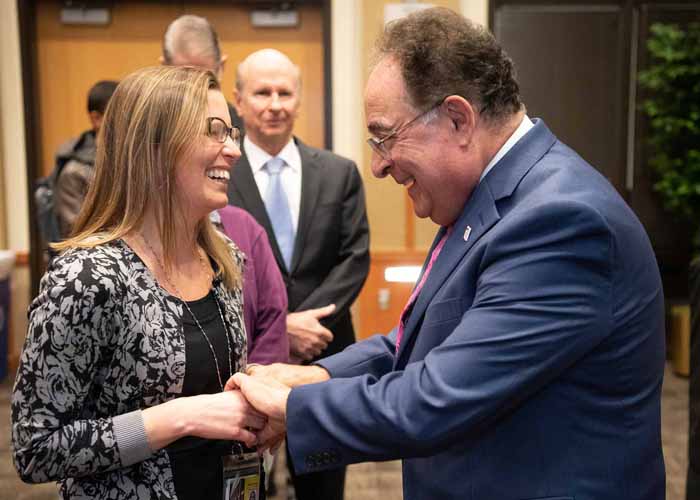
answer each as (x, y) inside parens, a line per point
(226, 415)
(289, 375)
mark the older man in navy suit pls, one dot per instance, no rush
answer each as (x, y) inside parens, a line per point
(528, 363)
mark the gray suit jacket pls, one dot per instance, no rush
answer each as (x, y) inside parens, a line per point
(331, 251)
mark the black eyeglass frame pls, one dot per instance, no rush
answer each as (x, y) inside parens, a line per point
(378, 145)
(233, 132)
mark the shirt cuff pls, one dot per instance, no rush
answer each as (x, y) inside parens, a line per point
(130, 434)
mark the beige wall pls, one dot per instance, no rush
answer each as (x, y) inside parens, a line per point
(476, 10)
(14, 219)
(3, 212)
(12, 127)
(347, 74)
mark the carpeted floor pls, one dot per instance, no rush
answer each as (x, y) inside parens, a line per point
(382, 481)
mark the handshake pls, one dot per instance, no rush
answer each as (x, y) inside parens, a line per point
(266, 389)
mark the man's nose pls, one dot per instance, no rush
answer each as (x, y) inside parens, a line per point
(379, 165)
(275, 103)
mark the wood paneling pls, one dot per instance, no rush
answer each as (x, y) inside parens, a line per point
(373, 318)
(72, 58)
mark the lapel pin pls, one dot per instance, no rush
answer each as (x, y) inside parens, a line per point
(467, 232)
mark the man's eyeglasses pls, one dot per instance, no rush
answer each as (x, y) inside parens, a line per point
(219, 131)
(379, 146)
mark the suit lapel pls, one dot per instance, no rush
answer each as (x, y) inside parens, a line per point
(478, 217)
(244, 187)
(310, 191)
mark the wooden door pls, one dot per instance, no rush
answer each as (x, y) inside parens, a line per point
(571, 65)
(71, 58)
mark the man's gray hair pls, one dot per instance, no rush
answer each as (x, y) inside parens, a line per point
(441, 53)
(191, 35)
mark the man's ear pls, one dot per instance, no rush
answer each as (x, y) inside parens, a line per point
(161, 61)
(463, 116)
(222, 66)
(237, 97)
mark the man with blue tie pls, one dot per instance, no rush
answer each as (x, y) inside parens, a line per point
(529, 362)
(311, 203)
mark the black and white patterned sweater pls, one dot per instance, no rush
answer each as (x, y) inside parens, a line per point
(104, 342)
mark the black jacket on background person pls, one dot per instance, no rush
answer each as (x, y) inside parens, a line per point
(78, 159)
(330, 261)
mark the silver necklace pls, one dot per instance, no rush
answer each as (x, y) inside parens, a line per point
(166, 275)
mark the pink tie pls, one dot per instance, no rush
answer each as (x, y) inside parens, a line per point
(417, 289)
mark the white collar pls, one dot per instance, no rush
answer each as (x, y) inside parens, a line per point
(525, 125)
(258, 157)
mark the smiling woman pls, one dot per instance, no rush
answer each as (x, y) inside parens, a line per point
(138, 322)
(202, 172)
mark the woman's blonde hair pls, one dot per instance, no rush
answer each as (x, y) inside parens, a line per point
(154, 117)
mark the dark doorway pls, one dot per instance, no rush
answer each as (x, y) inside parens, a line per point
(577, 63)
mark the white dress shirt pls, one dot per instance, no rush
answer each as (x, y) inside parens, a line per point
(290, 174)
(522, 129)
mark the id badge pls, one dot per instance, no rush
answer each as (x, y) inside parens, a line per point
(241, 477)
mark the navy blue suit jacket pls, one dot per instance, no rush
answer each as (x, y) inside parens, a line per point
(532, 363)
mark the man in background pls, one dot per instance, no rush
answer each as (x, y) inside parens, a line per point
(76, 160)
(311, 203)
(192, 41)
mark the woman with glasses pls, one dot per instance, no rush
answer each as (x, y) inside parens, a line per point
(138, 323)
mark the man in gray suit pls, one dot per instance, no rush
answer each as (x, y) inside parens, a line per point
(311, 203)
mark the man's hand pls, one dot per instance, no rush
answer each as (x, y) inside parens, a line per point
(307, 336)
(289, 375)
(268, 397)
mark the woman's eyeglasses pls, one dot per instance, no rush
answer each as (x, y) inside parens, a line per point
(219, 131)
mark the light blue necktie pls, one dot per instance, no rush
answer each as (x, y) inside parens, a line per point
(278, 211)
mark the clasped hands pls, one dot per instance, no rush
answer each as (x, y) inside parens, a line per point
(266, 388)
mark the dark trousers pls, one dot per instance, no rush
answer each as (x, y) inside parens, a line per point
(324, 485)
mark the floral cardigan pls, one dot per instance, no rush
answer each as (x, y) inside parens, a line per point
(104, 342)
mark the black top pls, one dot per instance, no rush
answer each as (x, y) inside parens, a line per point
(196, 462)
